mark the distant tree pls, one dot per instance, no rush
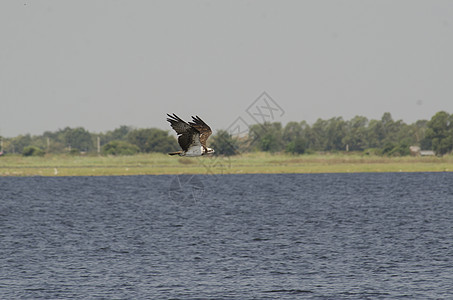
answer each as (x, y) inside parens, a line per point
(419, 131)
(396, 132)
(318, 135)
(395, 149)
(292, 131)
(391, 137)
(328, 135)
(294, 137)
(375, 134)
(78, 138)
(56, 142)
(356, 137)
(152, 140)
(17, 144)
(387, 119)
(32, 151)
(336, 130)
(268, 136)
(389, 127)
(118, 134)
(297, 146)
(119, 148)
(440, 132)
(224, 144)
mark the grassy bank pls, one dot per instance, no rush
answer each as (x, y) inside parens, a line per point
(65, 165)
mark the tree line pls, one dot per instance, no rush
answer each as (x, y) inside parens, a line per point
(124, 140)
(385, 136)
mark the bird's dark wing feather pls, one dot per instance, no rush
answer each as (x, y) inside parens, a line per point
(186, 133)
(203, 128)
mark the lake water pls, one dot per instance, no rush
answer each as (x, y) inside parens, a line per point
(292, 236)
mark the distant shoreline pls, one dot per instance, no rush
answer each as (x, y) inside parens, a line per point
(249, 163)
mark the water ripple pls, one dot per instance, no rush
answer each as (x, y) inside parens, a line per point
(292, 236)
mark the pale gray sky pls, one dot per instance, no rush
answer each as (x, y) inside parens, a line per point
(102, 64)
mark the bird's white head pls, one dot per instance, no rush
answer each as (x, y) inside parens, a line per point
(210, 150)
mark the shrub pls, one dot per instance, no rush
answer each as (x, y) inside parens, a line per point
(297, 146)
(74, 151)
(119, 148)
(224, 144)
(152, 140)
(32, 151)
(391, 149)
(372, 151)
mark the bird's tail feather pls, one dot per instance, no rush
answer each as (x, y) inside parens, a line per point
(175, 153)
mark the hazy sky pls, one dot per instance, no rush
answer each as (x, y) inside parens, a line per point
(102, 64)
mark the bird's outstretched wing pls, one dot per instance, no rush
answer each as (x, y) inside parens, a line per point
(203, 128)
(187, 134)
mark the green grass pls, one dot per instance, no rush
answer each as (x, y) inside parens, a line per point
(66, 165)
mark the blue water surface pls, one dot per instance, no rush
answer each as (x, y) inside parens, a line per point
(289, 236)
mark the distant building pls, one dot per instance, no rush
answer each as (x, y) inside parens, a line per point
(416, 151)
(427, 153)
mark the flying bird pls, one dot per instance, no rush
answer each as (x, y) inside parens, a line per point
(192, 136)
